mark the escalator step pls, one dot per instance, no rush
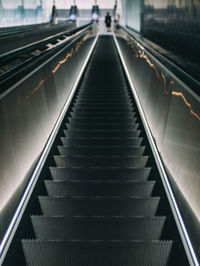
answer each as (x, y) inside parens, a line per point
(101, 161)
(103, 134)
(102, 126)
(102, 141)
(63, 228)
(104, 117)
(104, 113)
(96, 206)
(115, 174)
(99, 253)
(105, 120)
(108, 107)
(96, 108)
(102, 104)
(106, 189)
(103, 98)
(95, 151)
(92, 100)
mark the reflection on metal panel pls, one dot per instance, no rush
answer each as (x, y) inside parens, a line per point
(174, 25)
(173, 113)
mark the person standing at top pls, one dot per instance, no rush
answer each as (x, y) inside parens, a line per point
(108, 21)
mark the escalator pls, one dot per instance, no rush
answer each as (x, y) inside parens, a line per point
(101, 201)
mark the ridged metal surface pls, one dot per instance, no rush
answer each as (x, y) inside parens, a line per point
(72, 253)
(63, 228)
(129, 174)
(99, 206)
(67, 189)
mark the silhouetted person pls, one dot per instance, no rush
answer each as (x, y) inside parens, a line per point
(108, 20)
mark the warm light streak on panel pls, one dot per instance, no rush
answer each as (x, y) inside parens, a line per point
(70, 54)
(180, 94)
(63, 61)
(139, 52)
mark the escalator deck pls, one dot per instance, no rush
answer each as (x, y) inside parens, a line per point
(101, 207)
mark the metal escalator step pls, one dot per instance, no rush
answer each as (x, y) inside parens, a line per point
(93, 206)
(114, 174)
(89, 100)
(103, 90)
(100, 113)
(109, 96)
(103, 98)
(104, 189)
(93, 126)
(99, 253)
(103, 130)
(107, 117)
(105, 120)
(117, 81)
(96, 151)
(104, 134)
(101, 161)
(63, 228)
(108, 108)
(102, 104)
(127, 142)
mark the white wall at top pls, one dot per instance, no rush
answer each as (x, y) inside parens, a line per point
(60, 4)
(63, 4)
(11, 4)
(86, 4)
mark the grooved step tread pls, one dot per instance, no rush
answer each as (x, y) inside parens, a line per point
(91, 100)
(101, 161)
(99, 151)
(102, 121)
(101, 126)
(126, 142)
(100, 113)
(101, 253)
(96, 108)
(103, 117)
(68, 189)
(63, 228)
(103, 134)
(114, 174)
(96, 206)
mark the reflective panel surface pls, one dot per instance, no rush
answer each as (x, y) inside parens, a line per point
(27, 116)
(173, 113)
(175, 25)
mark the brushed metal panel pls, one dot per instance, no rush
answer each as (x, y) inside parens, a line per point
(173, 114)
(27, 116)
